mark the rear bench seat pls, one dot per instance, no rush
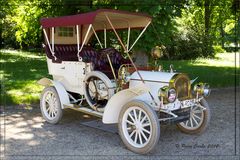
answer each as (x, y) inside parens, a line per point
(68, 52)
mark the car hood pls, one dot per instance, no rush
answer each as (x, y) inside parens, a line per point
(154, 76)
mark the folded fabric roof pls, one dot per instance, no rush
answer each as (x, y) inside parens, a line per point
(120, 20)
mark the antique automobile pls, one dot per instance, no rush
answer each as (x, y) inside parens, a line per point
(102, 83)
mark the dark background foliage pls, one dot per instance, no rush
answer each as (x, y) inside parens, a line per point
(188, 29)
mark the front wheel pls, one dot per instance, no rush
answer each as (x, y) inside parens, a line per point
(50, 105)
(199, 119)
(139, 127)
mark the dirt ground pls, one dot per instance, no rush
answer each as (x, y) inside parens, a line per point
(25, 135)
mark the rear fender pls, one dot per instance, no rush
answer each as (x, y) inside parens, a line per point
(62, 93)
(117, 101)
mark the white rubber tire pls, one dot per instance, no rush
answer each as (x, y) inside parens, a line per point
(51, 107)
(150, 139)
(206, 115)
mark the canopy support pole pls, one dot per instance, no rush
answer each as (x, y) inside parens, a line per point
(128, 37)
(85, 38)
(53, 39)
(125, 49)
(97, 37)
(49, 46)
(109, 60)
(139, 36)
(119, 39)
(105, 38)
(77, 37)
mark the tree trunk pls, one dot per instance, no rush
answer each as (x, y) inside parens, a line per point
(237, 32)
(1, 35)
(222, 34)
(207, 13)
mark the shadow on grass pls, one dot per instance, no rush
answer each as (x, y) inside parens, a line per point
(20, 74)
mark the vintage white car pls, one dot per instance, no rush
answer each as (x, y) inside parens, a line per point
(138, 99)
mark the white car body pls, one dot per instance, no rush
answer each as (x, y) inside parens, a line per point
(135, 98)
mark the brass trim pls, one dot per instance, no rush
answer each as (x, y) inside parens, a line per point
(120, 75)
(175, 78)
(164, 94)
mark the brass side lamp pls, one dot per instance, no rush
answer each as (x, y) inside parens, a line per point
(157, 52)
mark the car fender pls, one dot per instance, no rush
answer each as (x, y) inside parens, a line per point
(62, 93)
(117, 101)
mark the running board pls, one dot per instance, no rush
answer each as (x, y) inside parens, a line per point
(84, 110)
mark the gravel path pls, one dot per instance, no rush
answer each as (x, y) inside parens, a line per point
(28, 136)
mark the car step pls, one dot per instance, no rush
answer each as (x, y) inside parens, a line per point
(175, 120)
(84, 110)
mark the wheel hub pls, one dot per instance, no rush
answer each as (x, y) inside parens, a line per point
(138, 126)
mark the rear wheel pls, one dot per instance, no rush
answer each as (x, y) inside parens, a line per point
(139, 127)
(199, 119)
(50, 105)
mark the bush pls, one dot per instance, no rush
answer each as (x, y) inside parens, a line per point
(218, 49)
(190, 46)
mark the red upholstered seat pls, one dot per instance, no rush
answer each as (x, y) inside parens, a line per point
(115, 56)
(62, 52)
(68, 52)
(116, 59)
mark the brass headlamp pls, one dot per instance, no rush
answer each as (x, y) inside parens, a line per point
(202, 89)
(169, 95)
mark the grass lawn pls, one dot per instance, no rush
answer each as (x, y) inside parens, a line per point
(19, 72)
(218, 72)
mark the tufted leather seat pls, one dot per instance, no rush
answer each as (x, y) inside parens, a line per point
(68, 52)
(116, 59)
(115, 56)
(63, 52)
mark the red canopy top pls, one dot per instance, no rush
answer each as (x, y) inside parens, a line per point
(98, 19)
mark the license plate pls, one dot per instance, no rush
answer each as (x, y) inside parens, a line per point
(187, 103)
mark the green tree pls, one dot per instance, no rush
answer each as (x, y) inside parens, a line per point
(3, 13)
(207, 23)
(22, 19)
(163, 27)
(187, 28)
